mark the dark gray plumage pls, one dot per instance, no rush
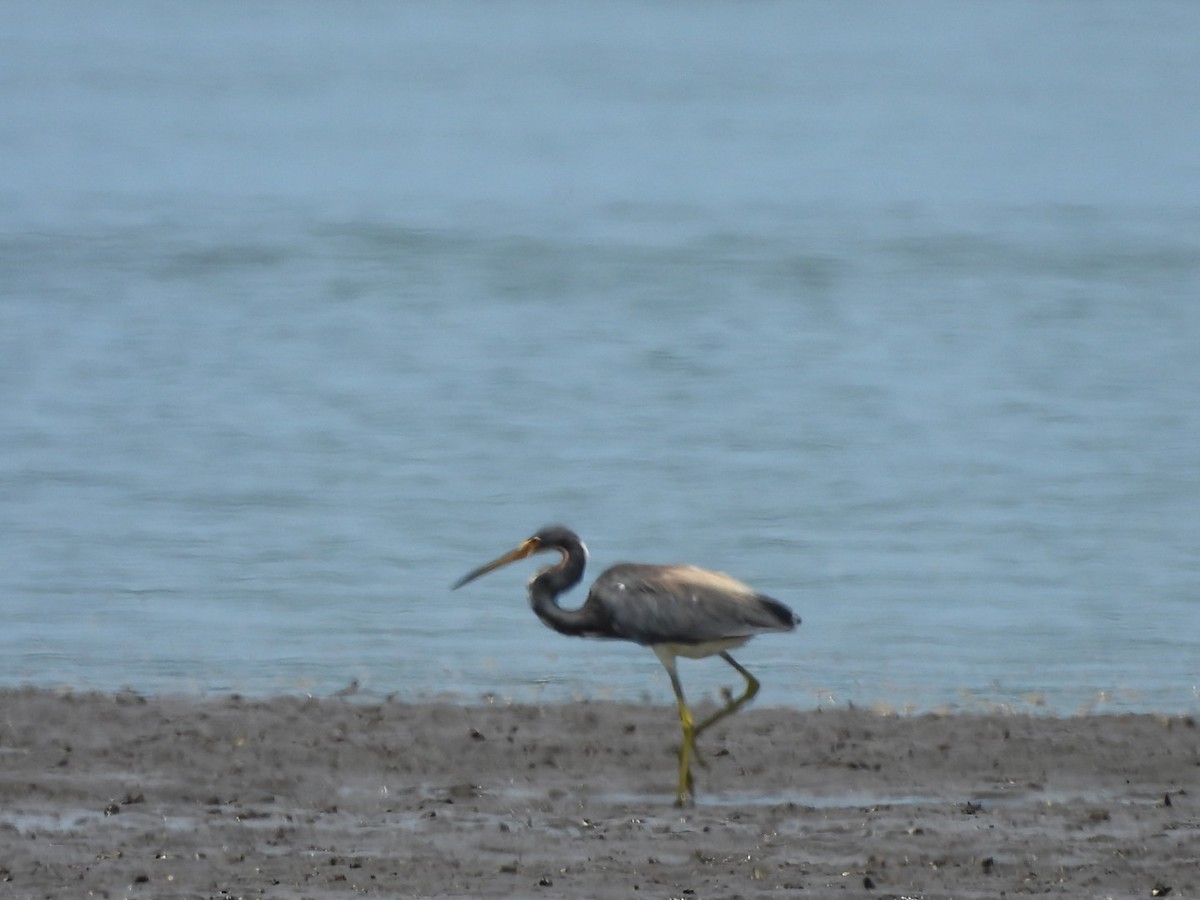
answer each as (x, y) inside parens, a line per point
(684, 605)
(675, 610)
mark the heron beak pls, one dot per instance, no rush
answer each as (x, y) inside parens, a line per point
(526, 548)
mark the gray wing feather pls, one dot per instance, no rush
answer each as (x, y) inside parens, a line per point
(684, 604)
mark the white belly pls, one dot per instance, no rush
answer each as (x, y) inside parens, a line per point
(697, 651)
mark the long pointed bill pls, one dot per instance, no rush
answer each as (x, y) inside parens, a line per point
(526, 548)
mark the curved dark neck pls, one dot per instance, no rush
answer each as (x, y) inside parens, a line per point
(587, 621)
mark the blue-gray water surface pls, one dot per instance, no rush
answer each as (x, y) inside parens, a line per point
(890, 310)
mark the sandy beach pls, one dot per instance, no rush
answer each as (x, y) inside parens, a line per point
(131, 796)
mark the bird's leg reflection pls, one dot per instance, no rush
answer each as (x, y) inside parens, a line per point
(731, 706)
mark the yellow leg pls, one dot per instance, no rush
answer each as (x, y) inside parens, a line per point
(733, 705)
(687, 746)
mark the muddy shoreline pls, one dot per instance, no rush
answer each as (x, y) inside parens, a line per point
(122, 795)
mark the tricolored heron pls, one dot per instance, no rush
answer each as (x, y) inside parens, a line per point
(674, 610)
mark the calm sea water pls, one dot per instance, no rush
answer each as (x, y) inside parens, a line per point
(892, 311)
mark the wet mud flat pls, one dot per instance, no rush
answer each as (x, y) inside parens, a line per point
(122, 795)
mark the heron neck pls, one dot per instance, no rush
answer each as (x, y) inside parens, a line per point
(546, 587)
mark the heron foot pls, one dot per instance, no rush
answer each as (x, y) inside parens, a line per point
(687, 752)
(685, 796)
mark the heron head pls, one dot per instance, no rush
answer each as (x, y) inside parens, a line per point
(553, 537)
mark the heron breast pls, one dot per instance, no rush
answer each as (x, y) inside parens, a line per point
(700, 651)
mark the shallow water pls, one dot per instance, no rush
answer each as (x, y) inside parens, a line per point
(304, 314)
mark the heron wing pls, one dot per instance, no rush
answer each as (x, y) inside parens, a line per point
(684, 605)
